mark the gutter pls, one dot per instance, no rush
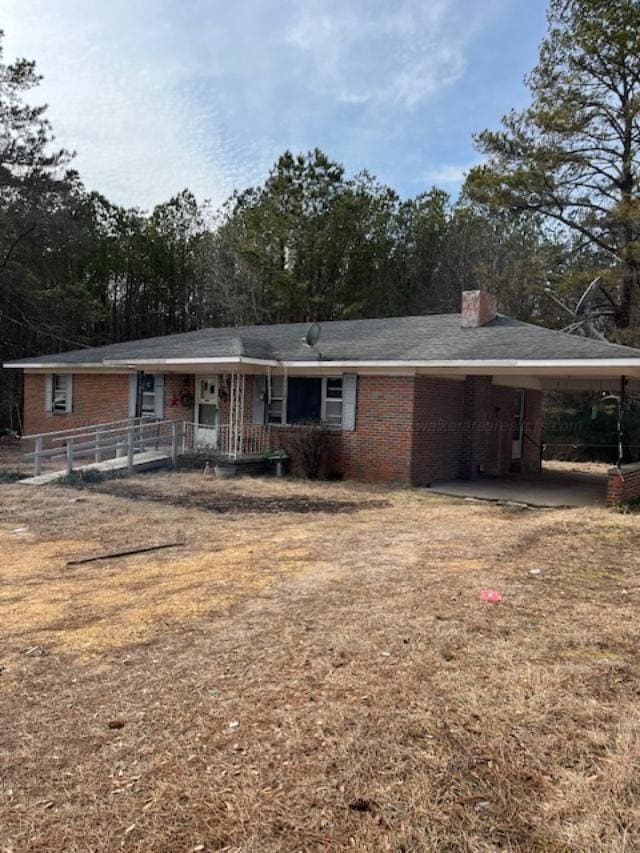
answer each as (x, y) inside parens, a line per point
(477, 364)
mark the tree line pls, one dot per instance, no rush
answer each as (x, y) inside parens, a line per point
(553, 207)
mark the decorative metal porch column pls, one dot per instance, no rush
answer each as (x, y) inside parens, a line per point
(236, 415)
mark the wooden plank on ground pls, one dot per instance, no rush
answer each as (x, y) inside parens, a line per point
(110, 555)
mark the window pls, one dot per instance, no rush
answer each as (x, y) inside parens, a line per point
(276, 401)
(332, 401)
(306, 399)
(148, 394)
(59, 393)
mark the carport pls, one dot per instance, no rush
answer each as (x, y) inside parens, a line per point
(555, 485)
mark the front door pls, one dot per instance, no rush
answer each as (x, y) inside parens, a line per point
(518, 425)
(206, 411)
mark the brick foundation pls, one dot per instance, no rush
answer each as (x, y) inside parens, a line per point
(623, 485)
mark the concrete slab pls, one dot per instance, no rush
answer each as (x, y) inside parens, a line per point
(141, 462)
(547, 489)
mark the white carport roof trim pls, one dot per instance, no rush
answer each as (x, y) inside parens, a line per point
(483, 366)
(566, 383)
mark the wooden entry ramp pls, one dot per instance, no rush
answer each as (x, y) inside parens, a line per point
(144, 461)
(135, 444)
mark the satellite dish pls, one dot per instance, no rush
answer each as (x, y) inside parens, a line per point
(313, 335)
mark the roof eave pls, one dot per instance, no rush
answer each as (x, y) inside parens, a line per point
(619, 365)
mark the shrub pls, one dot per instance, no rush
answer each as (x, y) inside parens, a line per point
(308, 445)
(90, 476)
(11, 476)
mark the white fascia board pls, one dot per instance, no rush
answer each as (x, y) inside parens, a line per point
(61, 367)
(478, 364)
(122, 364)
(183, 362)
(581, 365)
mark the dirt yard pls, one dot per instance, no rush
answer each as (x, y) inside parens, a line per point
(312, 669)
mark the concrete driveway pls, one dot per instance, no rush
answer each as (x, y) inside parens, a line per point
(550, 488)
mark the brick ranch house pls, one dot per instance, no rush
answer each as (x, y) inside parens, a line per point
(410, 399)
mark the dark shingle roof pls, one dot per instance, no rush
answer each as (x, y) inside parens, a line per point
(436, 337)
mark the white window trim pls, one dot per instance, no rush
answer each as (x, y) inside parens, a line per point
(65, 406)
(340, 399)
(58, 393)
(272, 397)
(323, 401)
(137, 395)
(148, 412)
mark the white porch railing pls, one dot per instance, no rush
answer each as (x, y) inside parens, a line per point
(227, 440)
(100, 442)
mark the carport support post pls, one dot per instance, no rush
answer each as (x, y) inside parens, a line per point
(621, 406)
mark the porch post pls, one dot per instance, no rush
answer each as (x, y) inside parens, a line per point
(174, 443)
(241, 414)
(232, 389)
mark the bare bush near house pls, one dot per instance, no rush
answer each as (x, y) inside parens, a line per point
(308, 445)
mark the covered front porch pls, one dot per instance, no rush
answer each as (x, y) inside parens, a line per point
(222, 413)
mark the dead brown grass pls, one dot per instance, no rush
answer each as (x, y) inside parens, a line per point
(380, 705)
(12, 457)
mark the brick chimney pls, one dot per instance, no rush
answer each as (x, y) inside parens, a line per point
(478, 308)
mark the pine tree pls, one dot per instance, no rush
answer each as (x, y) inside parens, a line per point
(573, 155)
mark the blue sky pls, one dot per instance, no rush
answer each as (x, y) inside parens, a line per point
(159, 95)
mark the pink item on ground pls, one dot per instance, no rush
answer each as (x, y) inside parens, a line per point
(491, 595)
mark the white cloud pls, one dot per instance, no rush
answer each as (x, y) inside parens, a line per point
(447, 174)
(366, 52)
(119, 83)
(156, 96)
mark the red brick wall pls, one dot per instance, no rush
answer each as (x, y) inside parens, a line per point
(478, 308)
(623, 486)
(533, 428)
(478, 418)
(97, 398)
(438, 433)
(380, 447)
(486, 444)
(176, 387)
